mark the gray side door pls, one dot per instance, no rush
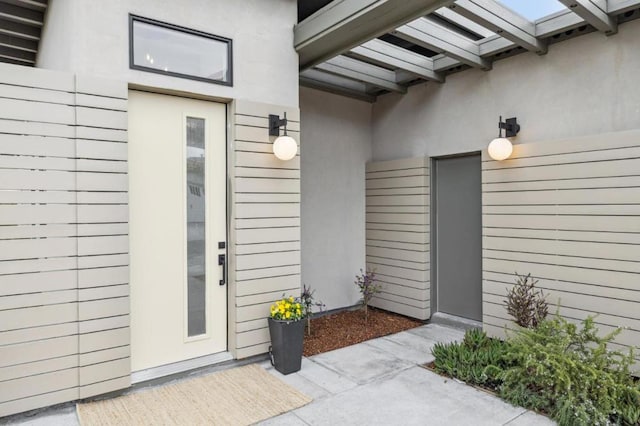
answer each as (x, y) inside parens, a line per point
(458, 236)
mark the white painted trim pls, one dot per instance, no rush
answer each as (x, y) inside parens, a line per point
(179, 367)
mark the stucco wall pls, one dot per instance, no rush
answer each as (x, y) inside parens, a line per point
(86, 37)
(335, 142)
(583, 86)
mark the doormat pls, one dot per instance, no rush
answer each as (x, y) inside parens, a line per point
(239, 396)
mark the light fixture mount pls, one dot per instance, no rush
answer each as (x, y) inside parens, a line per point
(275, 123)
(510, 126)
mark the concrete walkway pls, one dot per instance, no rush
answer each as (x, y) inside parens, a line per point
(378, 382)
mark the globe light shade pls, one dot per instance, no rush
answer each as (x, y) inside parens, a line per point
(500, 149)
(285, 148)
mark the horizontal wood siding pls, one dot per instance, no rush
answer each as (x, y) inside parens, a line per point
(568, 212)
(265, 225)
(64, 276)
(397, 229)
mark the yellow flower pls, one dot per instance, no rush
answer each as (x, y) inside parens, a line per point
(287, 306)
(288, 314)
(291, 299)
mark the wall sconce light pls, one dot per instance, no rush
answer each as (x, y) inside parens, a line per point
(284, 147)
(501, 148)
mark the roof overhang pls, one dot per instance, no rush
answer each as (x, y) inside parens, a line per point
(21, 23)
(340, 49)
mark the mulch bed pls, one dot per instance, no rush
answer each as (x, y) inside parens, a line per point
(335, 331)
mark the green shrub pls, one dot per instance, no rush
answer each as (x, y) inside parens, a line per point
(570, 373)
(476, 360)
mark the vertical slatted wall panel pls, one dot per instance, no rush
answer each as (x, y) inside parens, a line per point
(397, 233)
(58, 226)
(265, 225)
(567, 212)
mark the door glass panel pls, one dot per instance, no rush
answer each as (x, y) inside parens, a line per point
(196, 264)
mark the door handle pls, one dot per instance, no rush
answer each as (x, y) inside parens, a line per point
(222, 260)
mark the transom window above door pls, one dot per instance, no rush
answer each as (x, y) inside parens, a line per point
(163, 48)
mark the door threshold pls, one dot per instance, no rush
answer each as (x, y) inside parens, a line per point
(179, 367)
(454, 321)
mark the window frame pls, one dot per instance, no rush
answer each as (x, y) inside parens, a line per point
(132, 65)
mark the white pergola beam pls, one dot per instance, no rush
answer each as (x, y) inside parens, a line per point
(595, 13)
(344, 24)
(354, 78)
(316, 79)
(545, 27)
(397, 57)
(557, 23)
(433, 36)
(502, 21)
(456, 18)
(496, 44)
(361, 71)
(404, 77)
(442, 63)
(616, 7)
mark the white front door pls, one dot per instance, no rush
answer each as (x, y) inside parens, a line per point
(177, 181)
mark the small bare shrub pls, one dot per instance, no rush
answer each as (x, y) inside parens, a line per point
(525, 303)
(368, 287)
(307, 298)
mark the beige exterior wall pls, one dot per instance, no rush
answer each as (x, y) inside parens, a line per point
(64, 264)
(398, 243)
(583, 86)
(565, 211)
(569, 217)
(264, 194)
(64, 288)
(92, 37)
(568, 212)
(264, 229)
(336, 137)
